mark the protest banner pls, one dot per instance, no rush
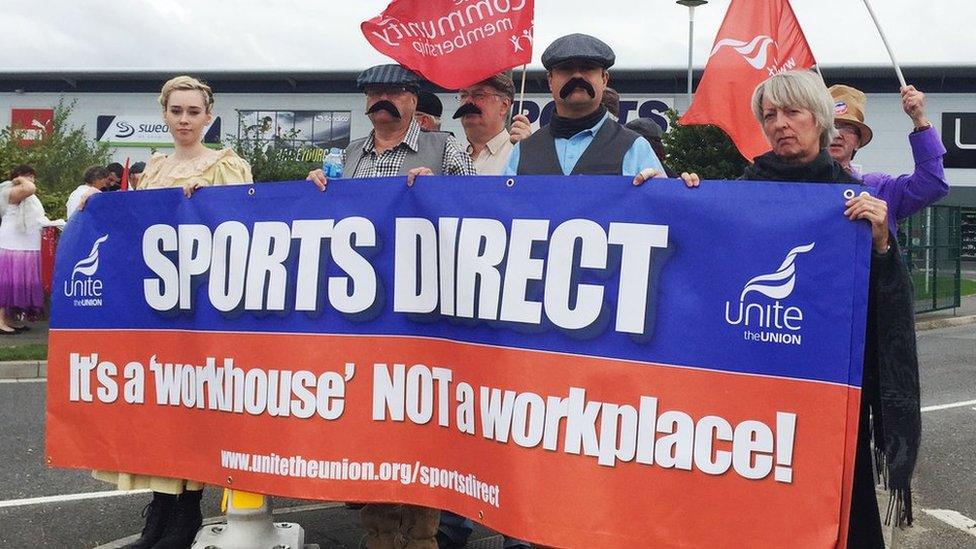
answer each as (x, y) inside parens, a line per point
(454, 43)
(571, 360)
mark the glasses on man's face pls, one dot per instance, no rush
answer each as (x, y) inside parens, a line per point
(477, 96)
(848, 129)
(389, 91)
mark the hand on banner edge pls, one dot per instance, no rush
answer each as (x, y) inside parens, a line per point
(874, 210)
(413, 173)
(317, 176)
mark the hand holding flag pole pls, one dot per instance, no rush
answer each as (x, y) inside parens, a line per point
(891, 53)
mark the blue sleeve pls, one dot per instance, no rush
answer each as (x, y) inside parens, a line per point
(511, 168)
(640, 156)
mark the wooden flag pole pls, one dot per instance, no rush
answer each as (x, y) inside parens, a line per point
(901, 77)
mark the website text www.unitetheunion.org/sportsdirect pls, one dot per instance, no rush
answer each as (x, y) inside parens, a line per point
(345, 469)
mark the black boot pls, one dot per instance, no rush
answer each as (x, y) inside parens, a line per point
(183, 523)
(157, 514)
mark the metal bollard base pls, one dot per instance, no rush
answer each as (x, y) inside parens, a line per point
(251, 528)
(283, 535)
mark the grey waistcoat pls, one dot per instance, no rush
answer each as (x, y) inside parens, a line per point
(604, 155)
(430, 154)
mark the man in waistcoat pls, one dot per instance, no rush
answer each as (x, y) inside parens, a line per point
(396, 146)
(581, 139)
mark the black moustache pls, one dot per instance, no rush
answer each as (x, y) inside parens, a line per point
(576, 83)
(467, 108)
(384, 105)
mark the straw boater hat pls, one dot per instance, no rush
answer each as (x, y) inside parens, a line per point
(849, 107)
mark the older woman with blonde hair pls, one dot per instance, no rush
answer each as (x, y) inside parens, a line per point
(173, 517)
(796, 113)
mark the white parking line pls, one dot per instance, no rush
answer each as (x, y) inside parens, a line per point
(27, 380)
(954, 519)
(69, 497)
(948, 406)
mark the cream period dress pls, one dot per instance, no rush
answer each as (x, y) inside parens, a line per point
(212, 168)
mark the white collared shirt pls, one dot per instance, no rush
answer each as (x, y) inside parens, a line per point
(494, 156)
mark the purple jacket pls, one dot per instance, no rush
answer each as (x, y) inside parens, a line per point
(909, 193)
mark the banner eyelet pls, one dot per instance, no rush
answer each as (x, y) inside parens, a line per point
(849, 193)
(250, 192)
(510, 183)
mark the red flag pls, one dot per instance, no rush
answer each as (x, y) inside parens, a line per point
(758, 38)
(125, 175)
(454, 44)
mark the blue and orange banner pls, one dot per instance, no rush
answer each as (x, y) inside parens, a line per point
(570, 360)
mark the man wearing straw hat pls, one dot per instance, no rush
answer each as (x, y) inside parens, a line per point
(906, 193)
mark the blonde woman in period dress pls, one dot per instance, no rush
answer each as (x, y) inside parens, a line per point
(173, 517)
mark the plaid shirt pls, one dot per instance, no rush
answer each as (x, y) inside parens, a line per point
(388, 163)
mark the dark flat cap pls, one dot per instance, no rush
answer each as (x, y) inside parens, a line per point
(388, 75)
(429, 103)
(646, 127)
(578, 46)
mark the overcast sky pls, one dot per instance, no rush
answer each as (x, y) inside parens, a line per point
(188, 35)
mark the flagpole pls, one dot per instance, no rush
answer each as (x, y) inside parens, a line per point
(691, 4)
(901, 77)
(522, 90)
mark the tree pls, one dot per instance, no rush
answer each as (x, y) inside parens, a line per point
(60, 158)
(704, 150)
(270, 160)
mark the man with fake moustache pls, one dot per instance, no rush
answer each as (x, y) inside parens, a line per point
(579, 140)
(483, 112)
(396, 146)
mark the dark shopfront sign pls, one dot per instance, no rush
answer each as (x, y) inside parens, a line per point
(959, 136)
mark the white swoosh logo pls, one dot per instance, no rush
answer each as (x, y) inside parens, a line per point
(754, 52)
(89, 265)
(777, 285)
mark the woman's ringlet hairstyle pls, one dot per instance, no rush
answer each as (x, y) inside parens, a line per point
(183, 82)
(804, 89)
(21, 170)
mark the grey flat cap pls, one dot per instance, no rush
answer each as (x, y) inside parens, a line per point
(646, 127)
(388, 75)
(578, 46)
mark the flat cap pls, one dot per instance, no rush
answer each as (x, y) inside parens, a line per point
(646, 127)
(578, 46)
(429, 103)
(388, 75)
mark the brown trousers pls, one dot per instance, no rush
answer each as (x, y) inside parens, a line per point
(399, 526)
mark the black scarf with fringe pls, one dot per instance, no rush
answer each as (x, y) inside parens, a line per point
(890, 382)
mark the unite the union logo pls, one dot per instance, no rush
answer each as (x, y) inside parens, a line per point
(756, 53)
(760, 310)
(82, 286)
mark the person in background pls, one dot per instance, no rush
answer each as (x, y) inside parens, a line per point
(429, 111)
(96, 180)
(611, 100)
(651, 131)
(173, 516)
(907, 193)
(21, 219)
(135, 174)
(483, 111)
(116, 170)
